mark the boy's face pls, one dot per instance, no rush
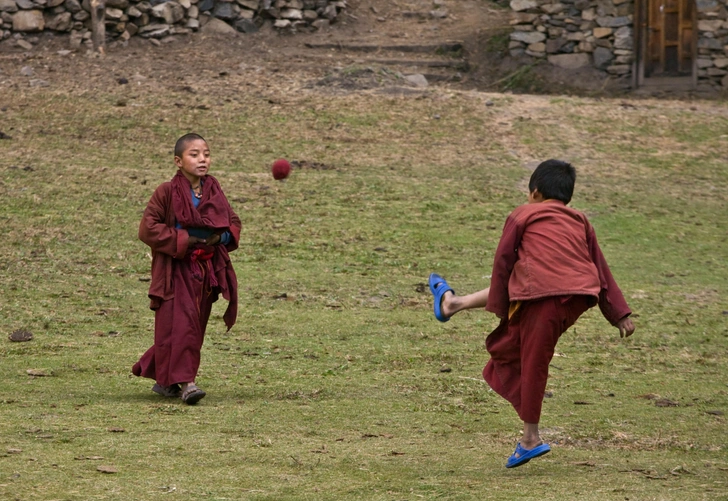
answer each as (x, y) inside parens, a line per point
(195, 160)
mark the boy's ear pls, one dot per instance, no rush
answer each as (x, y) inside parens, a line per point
(177, 161)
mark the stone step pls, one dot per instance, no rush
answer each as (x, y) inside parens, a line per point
(443, 48)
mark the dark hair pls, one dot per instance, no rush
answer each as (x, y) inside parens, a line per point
(181, 144)
(554, 179)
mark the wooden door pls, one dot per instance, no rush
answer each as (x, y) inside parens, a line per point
(670, 38)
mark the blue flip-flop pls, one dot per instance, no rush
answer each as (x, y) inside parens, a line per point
(438, 287)
(523, 456)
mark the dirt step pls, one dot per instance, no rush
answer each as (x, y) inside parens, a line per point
(443, 48)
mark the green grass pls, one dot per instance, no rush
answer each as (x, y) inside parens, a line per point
(346, 387)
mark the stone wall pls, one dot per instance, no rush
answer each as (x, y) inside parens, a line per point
(600, 33)
(713, 42)
(157, 19)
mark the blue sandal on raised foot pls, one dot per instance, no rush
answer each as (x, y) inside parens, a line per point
(523, 456)
(438, 287)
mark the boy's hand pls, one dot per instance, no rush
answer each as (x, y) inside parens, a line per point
(195, 240)
(213, 239)
(626, 327)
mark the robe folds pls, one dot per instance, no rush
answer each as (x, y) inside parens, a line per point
(186, 280)
(522, 347)
(549, 264)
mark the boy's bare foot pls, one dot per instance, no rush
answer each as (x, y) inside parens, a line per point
(446, 306)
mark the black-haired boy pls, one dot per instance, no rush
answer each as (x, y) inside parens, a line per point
(548, 270)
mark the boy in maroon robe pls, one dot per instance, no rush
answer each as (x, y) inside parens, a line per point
(190, 227)
(548, 270)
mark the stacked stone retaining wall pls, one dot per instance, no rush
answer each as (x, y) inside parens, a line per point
(600, 33)
(157, 19)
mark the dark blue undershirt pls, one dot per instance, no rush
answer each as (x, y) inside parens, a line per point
(203, 233)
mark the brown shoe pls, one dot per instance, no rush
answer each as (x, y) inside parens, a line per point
(192, 394)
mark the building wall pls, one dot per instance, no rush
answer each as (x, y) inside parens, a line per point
(600, 33)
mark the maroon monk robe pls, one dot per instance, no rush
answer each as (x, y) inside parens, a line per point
(185, 282)
(548, 258)
(521, 350)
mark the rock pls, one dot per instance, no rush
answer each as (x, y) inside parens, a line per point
(186, 4)
(417, 80)
(132, 29)
(246, 26)
(114, 14)
(321, 24)
(520, 5)
(553, 45)
(439, 13)
(27, 71)
(193, 24)
(218, 27)
(156, 30)
(623, 38)
(293, 14)
(724, 81)
(537, 47)
(528, 37)
(711, 26)
(703, 43)
(133, 12)
(24, 44)
(330, 12)
(28, 20)
(8, 6)
(589, 15)
(81, 16)
(117, 4)
(171, 12)
(60, 22)
(720, 62)
(249, 4)
(74, 41)
(585, 46)
(618, 22)
(553, 8)
(246, 14)
(570, 61)
(707, 5)
(602, 32)
(72, 6)
(577, 36)
(37, 82)
(144, 7)
(310, 15)
(26, 4)
(523, 18)
(703, 63)
(206, 5)
(619, 69)
(226, 10)
(282, 23)
(602, 57)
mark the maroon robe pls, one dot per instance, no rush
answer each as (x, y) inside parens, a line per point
(549, 261)
(185, 281)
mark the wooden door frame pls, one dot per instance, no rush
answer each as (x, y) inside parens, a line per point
(640, 43)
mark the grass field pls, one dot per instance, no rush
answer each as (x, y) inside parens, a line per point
(337, 382)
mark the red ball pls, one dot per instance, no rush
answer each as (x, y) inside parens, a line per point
(281, 168)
